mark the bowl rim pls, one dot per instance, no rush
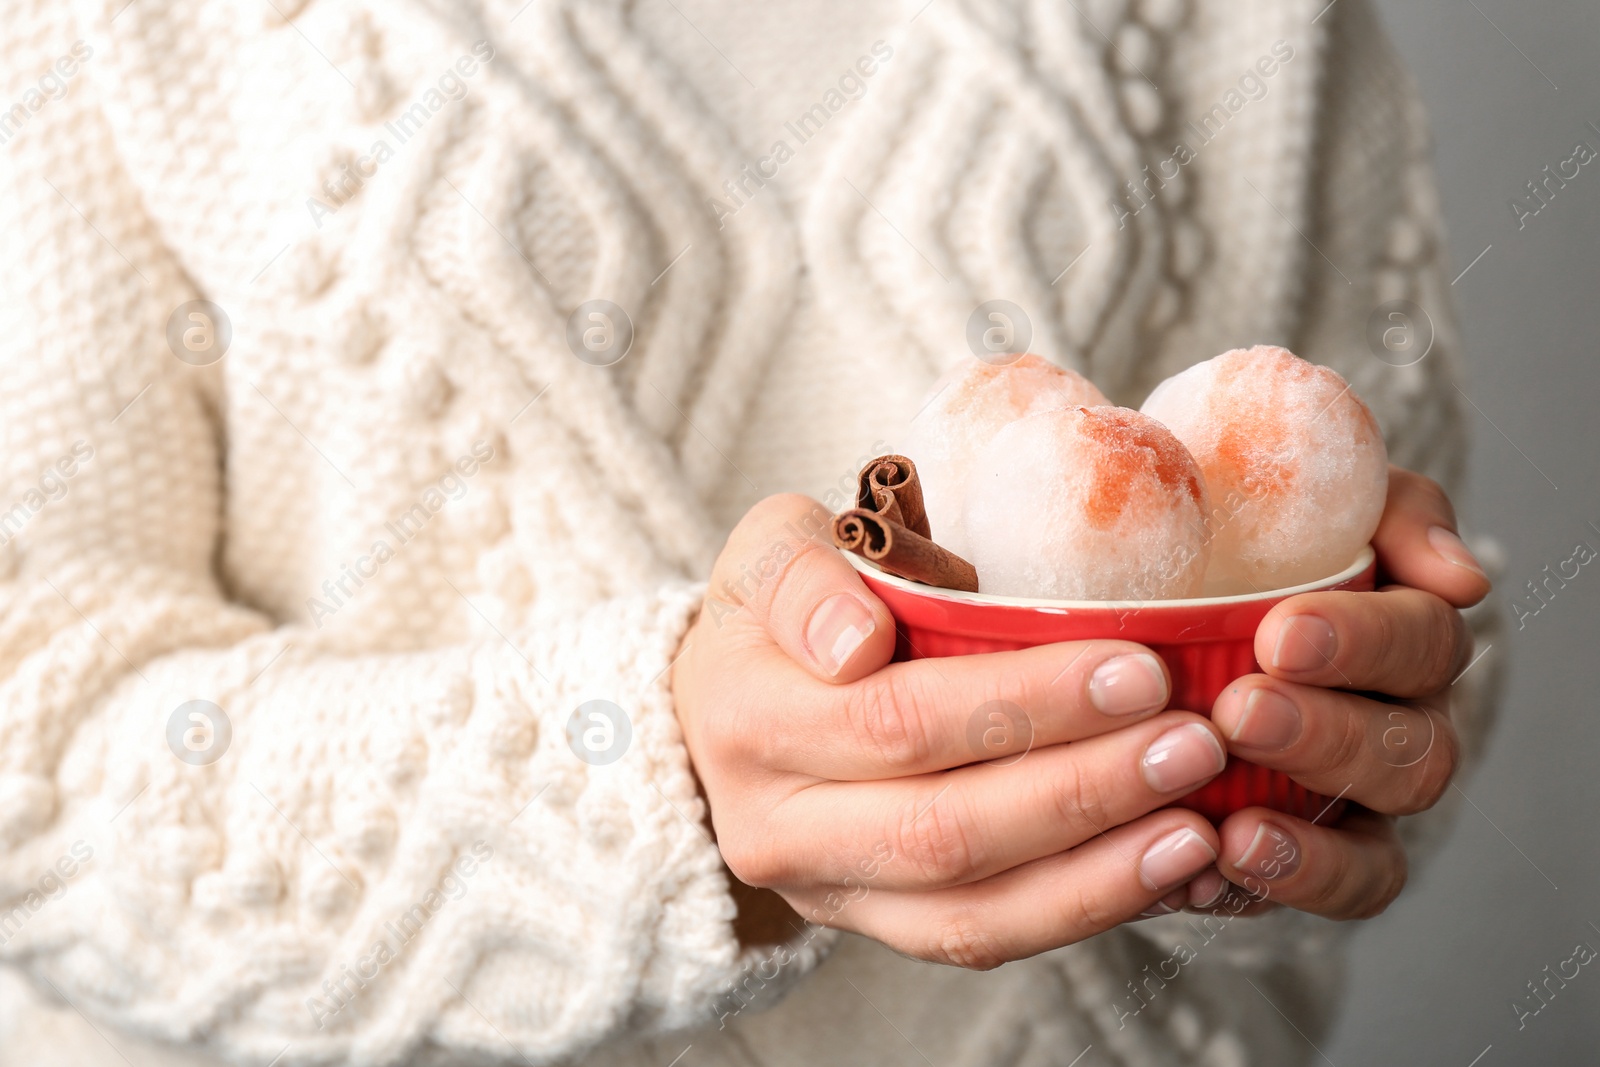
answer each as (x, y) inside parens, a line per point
(1363, 560)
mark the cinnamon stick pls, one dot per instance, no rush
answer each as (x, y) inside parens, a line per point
(891, 482)
(900, 550)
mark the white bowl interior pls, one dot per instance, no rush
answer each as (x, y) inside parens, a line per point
(1362, 561)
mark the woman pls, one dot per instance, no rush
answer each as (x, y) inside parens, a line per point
(398, 371)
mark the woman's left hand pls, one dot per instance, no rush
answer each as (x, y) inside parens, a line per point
(1355, 703)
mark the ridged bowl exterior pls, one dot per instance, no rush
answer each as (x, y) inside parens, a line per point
(1206, 645)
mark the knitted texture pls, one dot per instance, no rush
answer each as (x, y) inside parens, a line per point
(401, 765)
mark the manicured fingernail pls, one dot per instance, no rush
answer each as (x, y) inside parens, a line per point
(1305, 643)
(1128, 684)
(1270, 722)
(1157, 909)
(837, 628)
(1175, 859)
(1272, 854)
(1452, 548)
(1182, 758)
(1207, 888)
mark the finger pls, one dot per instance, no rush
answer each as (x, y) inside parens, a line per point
(1055, 901)
(781, 575)
(959, 826)
(913, 718)
(1393, 758)
(1398, 641)
(1205, 890)
(1209, 893)
(1353, 871)
(1417, 543)
(1172, 902)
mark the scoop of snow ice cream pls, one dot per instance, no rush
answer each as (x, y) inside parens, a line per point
(1294, 462)
(968, 405)
(1087, 503)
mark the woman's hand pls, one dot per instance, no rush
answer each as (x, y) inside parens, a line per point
(915, 802)
(1355, 703)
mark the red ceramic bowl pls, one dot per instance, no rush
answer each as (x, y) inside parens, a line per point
(1207, 643)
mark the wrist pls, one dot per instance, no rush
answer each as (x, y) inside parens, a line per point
(763, 917)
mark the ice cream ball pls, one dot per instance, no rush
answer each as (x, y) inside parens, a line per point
(967, 406)
(1087, 503)
(1293, 460)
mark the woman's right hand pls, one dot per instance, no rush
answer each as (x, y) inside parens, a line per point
(967, 810)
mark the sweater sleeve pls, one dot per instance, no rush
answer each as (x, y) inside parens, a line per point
(1372, 147)
(1389, 324)
(213, 832)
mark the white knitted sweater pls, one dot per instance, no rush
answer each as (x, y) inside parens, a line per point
(397, 206)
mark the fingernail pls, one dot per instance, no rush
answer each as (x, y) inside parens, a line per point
(1305, 643)
(1452, 548)
(1207, 888)
(1175, 859)
(1157, 909)
(837, 628)
(1182, 758)
(1128, 684)
(1272, 854)
(1270, 721)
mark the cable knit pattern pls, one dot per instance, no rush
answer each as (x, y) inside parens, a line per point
(398, 375)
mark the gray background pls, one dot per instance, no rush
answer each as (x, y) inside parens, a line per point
(1434, 978)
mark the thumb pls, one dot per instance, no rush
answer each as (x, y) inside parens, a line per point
(1417, 544)
(780, 575)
